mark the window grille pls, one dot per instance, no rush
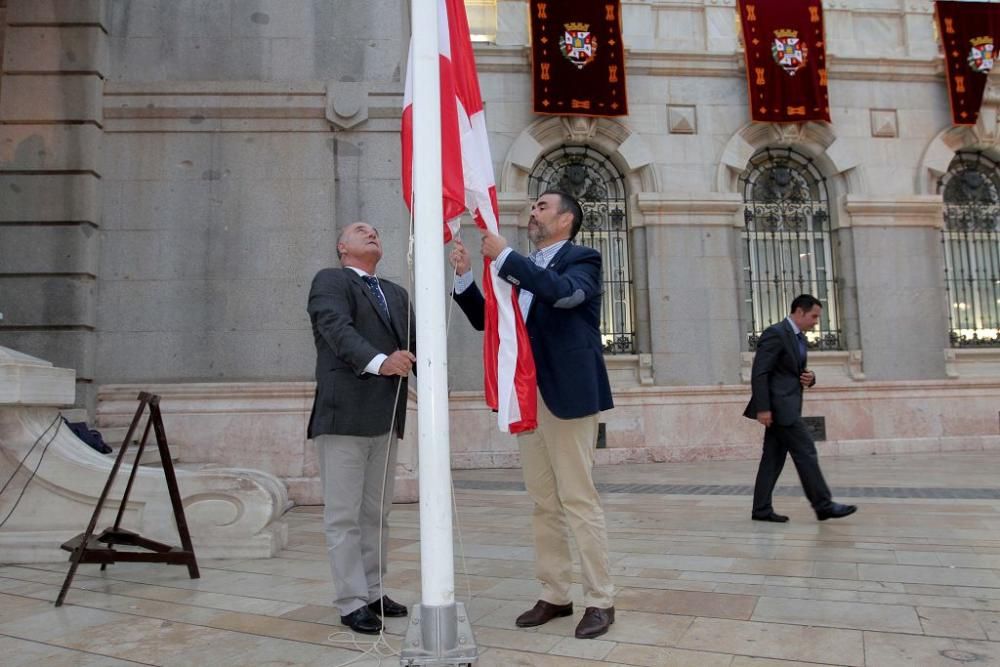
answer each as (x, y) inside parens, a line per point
(787, 249)
(593, 179)
(971, 244)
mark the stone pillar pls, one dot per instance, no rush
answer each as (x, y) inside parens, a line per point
(694, 288)
(902, 304)
(55, 59)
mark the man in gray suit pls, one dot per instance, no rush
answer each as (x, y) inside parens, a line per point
(778, 379)
(364, 334)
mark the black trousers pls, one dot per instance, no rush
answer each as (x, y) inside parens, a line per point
(793, 439)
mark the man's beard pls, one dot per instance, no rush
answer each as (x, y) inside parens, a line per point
(536, 236)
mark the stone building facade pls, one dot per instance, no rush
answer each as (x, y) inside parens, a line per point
(172, 174)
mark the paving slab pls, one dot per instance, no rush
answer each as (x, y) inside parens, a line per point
(912, 579)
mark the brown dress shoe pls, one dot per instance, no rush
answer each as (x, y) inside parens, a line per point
(542, 613)
(595, 622)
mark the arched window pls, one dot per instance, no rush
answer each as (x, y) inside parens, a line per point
(594, 180)
(971, 241)
(787, 244)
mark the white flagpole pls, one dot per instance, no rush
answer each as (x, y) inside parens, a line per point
(434, 626)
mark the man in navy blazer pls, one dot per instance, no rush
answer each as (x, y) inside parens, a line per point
(778, 379)
(559, 293)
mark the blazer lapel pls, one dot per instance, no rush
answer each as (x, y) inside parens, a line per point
(363, 286)
(554, 265)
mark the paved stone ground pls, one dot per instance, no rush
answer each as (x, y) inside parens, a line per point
(912, 579)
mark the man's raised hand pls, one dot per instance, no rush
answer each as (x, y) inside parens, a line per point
(459, 257)
(493, 244)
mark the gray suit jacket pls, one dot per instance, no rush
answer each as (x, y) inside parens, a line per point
(775, 376)
(349, 329)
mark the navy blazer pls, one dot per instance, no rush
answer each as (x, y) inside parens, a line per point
(564, 325)
(775, 376)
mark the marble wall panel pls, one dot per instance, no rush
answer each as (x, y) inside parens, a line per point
(36, 249)
(901, 302)
(58, 12)
(680, 28)
(50, 148)
(55, 49)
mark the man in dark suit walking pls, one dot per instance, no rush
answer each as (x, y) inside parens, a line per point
(778, 379)
(560, 299)
(363, 329)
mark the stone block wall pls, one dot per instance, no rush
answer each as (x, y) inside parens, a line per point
(55, 62)
(172, 174)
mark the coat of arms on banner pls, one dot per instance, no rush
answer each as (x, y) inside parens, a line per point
(981, 54)
(789, 51)
(579, 46)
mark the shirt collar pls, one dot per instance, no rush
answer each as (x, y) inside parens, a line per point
(358, 271)
(546, 254)
(795, 329)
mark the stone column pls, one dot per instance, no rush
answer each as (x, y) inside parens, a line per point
(902, 304)
(694, 288)
(54, 63)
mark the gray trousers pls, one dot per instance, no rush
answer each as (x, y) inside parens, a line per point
(358, 475)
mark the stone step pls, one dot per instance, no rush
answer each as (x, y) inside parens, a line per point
(150, 455)
(75, 415)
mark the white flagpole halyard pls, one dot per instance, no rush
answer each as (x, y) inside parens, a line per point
(434, 636)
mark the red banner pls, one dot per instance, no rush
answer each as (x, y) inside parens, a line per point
(969, 32)
(786, 60)
(577, 58)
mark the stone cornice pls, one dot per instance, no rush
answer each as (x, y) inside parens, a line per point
(709, 209)
(739, 393)
(893, 211)
(506, 59)
(199, 106)
(512, 203)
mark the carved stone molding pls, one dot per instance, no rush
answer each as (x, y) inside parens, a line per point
(666, 208)
(242, 106)
(624, 146)
(649, 62)
(346, 104)
(965, 363)
(892, 211)
(833, 156)
(833, 368)
(232, 512)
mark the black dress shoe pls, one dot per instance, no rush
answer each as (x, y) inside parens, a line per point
(836, 511)
(595, 622)
(542, 613)
(387, 608)
(363, 620)
(773, 516)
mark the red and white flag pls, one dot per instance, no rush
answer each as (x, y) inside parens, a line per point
(468, 185)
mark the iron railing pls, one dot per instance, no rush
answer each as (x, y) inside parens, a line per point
(788, 249)
(971, 245)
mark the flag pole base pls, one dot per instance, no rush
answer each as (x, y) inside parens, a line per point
(439, 636)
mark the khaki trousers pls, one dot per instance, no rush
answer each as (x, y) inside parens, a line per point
(558, 460)
(356, 490)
